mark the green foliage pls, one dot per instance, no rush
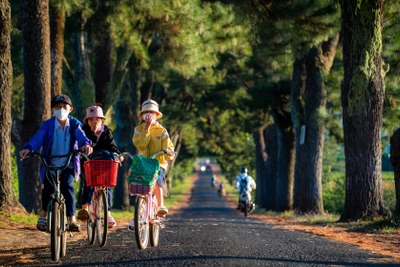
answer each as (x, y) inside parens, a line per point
(333, 191)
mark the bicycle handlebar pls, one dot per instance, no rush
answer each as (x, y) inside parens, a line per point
(55, 168)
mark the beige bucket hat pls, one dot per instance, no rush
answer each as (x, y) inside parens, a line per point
(150, 105)
(93, 112)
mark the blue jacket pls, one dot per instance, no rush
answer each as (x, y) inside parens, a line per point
(44, 140)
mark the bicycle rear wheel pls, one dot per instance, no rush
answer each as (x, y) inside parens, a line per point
(63, 231)
(154, 227)
(91, 223)
(101, 218)
(55, 232)
(141, 225)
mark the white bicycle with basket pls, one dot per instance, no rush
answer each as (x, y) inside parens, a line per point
(141, 184)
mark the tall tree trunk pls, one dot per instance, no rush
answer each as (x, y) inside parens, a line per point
(308, 106)
(123, 58)
(36, 54)
(84, 86)
(123, 135)
(7, 198)
(261, 158)
(362, 102)
(125, 113)
(286, 159)
(395, 160)
(297, 103)
(102, 51)
(271, 147)
(57, 26)
(177, 141)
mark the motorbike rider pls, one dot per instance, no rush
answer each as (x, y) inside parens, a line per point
(221, 189)
(244, 182)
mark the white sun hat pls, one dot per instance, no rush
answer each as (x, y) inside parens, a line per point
(150, 106)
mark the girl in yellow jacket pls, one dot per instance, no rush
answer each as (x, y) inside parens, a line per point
(149, 138)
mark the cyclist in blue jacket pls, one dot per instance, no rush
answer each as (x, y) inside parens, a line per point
(59, 135)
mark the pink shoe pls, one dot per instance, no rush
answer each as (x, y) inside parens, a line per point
(111, 221)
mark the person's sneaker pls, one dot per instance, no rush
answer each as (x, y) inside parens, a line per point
(42, 224)
(83, 215)
(74, 227)
(162, 211)
(131, 225)
(111, 221)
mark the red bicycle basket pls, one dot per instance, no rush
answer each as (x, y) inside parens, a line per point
(101, 173)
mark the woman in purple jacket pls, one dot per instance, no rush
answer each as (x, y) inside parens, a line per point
(59, 135)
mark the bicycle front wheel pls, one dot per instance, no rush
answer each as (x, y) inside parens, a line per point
(55, 231)
(101, 218)
(63, 231)
(141, 224)
(91, 223)
(154, 226)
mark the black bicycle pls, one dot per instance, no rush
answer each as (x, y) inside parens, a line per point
(57, 224)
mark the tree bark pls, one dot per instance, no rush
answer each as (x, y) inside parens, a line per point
(125, 114)
(286, 159)
(362, 101)
(36, 54)
(395, 160)
(84, 86)
(123, 58)
(57, 26)
(123, 135)
(261, 158)
(7, 198)
(103, 52)
(271, 148)
(308, 101)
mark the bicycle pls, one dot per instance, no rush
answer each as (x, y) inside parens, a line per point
(57, 224)
(100, 174)
(147, 223)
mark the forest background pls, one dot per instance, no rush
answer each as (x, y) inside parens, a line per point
(302, 93)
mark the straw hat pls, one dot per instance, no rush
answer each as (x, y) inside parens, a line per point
(149, 105)
(94, 112)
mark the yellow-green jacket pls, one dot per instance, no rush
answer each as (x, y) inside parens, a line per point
(156, 139)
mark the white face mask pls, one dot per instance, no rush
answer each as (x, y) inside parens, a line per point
(147, 114)
(61, 114)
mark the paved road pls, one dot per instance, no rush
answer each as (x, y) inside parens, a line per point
(210, 233)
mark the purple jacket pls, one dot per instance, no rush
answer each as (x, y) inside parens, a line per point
(44, 139)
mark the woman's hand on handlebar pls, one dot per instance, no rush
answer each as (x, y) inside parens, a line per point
(23, 153)
(169, 152)
(87, 149)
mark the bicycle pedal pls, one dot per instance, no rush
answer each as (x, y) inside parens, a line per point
(162, 226)
(71, 234)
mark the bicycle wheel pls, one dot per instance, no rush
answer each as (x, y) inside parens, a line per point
(154, 227)
(101, 218)
(246, 208)
(55, 232)
(91, 223)
(141, 225)
(63, 231)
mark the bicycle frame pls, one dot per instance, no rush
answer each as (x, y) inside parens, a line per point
(56, 197)
(149, 204)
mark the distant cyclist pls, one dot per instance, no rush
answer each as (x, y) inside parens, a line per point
(244, 182)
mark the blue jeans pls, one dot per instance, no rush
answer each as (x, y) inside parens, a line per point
(66, 188)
